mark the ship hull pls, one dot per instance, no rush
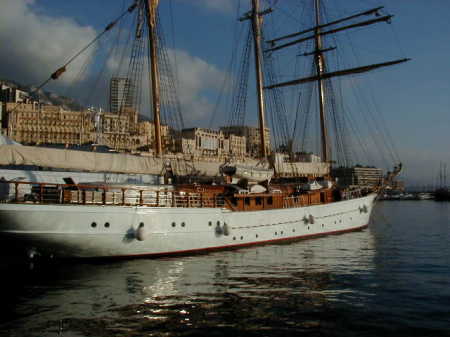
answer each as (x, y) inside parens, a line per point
(80, 231)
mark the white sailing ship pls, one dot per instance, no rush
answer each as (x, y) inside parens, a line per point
(282, 202)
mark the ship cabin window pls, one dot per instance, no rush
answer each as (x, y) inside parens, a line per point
(258, 201)
(247, 201)
(269, 201)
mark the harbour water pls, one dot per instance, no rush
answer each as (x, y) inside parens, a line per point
(392, 279)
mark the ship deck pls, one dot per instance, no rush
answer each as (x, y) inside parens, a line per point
(185, 196)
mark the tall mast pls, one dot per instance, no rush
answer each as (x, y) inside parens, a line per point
(320, 68)
(319, 59)
(151, 9)
(256, 26)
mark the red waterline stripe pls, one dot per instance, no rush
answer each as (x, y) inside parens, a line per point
(235, 246)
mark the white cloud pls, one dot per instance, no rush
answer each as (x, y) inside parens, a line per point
(195, 76)
(34, 45)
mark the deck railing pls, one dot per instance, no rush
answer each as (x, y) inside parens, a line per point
(46, 193)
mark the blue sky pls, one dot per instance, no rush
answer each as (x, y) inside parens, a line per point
(414, 97)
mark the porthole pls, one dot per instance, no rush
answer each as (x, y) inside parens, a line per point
(242, 238)
(308, 227)
(210, 223)
(141, 225)
(218, 223)
(335, 222)
(94, 224)
(234, 238)
(276, 233)
(293, 230)
(322, 225)
(106, 224)
(173, 224)
(256, 235)
(183, 224)
(281, 233)
(340, 221)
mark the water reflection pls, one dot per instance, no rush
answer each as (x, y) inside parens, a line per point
(272, 289)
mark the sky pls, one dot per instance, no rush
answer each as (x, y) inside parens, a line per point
(37, 36)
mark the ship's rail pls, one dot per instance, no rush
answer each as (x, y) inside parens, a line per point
(48, 193)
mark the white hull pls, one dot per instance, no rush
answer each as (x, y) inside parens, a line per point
(67, 230)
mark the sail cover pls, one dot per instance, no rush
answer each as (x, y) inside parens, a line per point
(78, 160)
(126, 163)
(101, 162)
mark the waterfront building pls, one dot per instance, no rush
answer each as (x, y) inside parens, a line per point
(31, 123)
(48, 124)
(212, 144)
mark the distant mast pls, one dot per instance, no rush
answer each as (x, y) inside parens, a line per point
(319, 59)
(151, 7)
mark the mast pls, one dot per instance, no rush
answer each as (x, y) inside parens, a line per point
(256, 26)
(320, 69)
(151, 8)
(319, 59)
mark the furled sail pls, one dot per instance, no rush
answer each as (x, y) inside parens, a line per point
(106, 162)
(79, 160)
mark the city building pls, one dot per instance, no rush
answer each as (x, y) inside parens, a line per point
(252, 136)
(207, 142)
(29, 122)
(212, 144)
(358, 176)
(121, 94)
(49, 124)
